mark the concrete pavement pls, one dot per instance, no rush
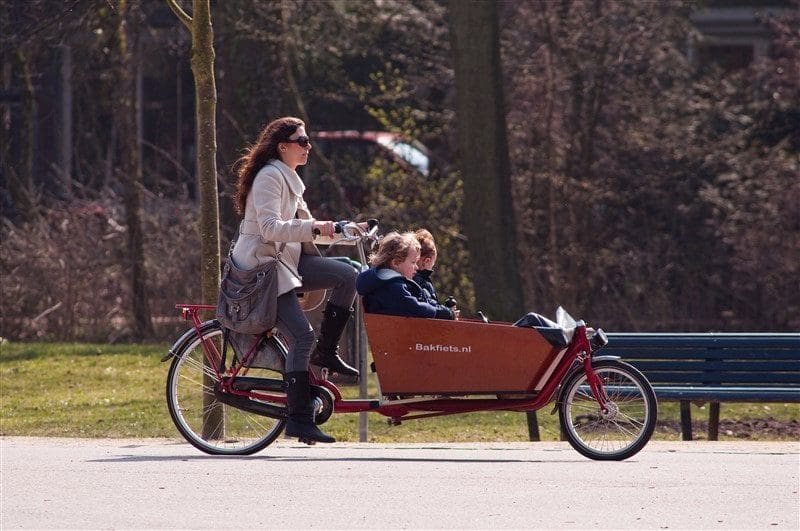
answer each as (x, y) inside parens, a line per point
(127, 484)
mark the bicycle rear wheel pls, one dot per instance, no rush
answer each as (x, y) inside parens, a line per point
(628, 421)
(205, 422)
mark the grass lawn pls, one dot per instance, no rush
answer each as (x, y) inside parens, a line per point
(90, 390)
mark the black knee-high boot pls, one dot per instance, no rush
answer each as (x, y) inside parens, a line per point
(301, 410)
(326, 354)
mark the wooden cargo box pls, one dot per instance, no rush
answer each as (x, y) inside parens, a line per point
(433, 356)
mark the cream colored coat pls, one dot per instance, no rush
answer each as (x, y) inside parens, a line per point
(269, 220)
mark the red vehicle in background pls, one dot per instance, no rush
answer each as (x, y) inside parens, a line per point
(341, 162)
(410, 154)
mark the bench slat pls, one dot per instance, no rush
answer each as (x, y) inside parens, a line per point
(728, 394)
(721, 340)
(726, 366)
(657, 377)
(700, 353)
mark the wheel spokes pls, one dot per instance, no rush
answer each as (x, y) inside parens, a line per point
(213, 426)
(613, 430)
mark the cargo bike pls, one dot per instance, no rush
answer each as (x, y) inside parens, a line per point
(226, 404)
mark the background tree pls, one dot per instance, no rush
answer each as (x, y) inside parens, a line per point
(130, 166)
(751, 121)
(489, 220)
(199, 25)
(617, 140)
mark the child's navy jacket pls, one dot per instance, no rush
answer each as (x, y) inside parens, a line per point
(423, 280)
(387, 292)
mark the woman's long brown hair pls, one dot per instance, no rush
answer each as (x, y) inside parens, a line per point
(259, 154)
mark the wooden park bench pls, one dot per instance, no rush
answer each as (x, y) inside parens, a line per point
(714, 368)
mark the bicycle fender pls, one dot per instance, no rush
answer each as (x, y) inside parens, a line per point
(187, 337)
(608, 357)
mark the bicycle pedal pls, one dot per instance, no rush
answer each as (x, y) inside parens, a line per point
(306, 441)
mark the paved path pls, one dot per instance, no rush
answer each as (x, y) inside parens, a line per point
(79, 483)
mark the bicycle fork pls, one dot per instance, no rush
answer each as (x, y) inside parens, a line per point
(595, 383)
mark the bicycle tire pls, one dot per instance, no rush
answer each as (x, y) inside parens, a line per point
(209, 425)
(627, 424)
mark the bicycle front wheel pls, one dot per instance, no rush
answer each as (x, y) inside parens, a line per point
(623, 427)
(205, 422)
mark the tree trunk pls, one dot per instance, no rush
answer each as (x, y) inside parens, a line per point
(199, 25)
(206, 101)
(18, 148)
(66, 119)
(130, 172)
(551, 169)
(489, 221)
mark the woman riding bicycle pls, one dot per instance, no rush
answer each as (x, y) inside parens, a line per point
(269, 194)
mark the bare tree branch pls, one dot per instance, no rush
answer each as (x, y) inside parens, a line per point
(180, 13)
(17, 40)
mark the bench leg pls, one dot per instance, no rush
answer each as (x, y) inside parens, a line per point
(533, 426)
(686, 420)
(713, 422)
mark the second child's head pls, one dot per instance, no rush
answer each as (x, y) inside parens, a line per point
(399, 252)
(427, 252)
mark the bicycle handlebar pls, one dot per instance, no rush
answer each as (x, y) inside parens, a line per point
(351, 231)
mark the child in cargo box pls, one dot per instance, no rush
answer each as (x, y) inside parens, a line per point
(427, 259)
(388, 287)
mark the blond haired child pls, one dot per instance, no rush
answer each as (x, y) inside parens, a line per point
(388, 286)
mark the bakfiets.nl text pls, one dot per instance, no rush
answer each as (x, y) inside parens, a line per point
(434, 347)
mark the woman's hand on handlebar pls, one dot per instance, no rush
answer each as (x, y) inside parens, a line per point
(324, 228)
(349, 229)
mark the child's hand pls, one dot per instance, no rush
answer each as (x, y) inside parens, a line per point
(456, 313)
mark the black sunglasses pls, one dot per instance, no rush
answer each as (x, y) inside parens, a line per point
(302, 141)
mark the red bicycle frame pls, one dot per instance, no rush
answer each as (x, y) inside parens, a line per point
(579, 349)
